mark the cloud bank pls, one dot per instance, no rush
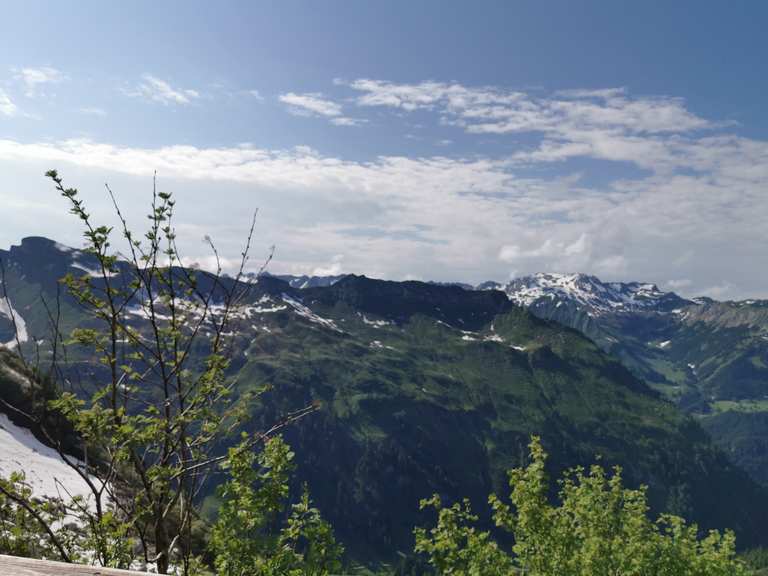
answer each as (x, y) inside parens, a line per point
(684, 205)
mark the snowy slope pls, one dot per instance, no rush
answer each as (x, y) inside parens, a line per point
(7, 311)
(45, 472)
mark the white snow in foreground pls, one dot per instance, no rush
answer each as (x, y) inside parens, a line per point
(46, 473)
(7, 310)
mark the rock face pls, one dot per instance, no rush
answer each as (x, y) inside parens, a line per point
(434, 388)
(400, 301)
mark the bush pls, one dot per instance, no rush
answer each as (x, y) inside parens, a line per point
(253, 536)
(597, 528)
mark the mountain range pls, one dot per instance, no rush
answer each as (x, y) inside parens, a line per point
(708, 357)
(437, 388)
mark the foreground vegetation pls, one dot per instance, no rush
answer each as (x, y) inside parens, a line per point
(598, 528)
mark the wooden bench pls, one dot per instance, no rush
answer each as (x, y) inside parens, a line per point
(13, 566)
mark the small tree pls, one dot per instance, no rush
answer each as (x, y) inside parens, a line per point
(254, 536)
(599, 528)
(160, 402)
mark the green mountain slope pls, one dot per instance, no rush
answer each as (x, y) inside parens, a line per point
(426, 388)
(419, 397)
(709, 357)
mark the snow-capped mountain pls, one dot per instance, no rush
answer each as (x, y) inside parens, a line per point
(588, 294)
(582, 292)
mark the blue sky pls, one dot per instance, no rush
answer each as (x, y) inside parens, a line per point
(433, 140)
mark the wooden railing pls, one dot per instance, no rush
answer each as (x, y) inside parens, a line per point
(13, 566)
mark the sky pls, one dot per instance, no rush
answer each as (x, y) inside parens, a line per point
(430, 140)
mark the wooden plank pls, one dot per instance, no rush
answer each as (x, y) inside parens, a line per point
(13, 566)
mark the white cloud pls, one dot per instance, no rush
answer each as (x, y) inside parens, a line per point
(679, 284)
(653, 132)
(92, 111)
(695, 210)
(346, 121)
(35, 78)
(579, 246)
(158, 90)
(310, 104)
(500, 111)
(719, 292)
(334, 267)
(256, 94)
(210, 262)
(614, 266)
(315, 104)
(7, 107)
(551, 249)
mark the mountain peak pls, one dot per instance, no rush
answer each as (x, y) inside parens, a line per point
(590, 293)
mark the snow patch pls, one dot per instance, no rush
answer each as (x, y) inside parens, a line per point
(92, 272)
(375, 323)
(63, 249)
(46, 473)
(377, 345)
(265, 310)
(7, 310)
(142, 312)
(304, 311)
